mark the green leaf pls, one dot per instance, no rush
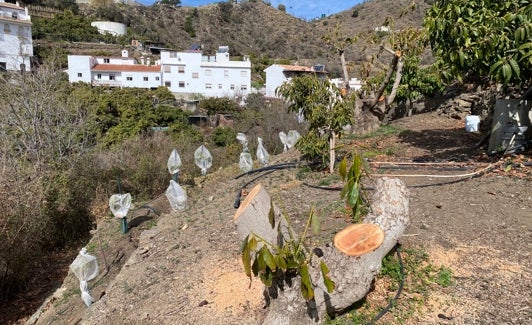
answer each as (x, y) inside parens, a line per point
(255, 266)
(315, 223)
(281, 262)
(495, 67)
(252, 244)
(352, 200)
(271, 215)
(506, 72)
(345, 190)
(246, 258)
(515, 67)
(268, 258)
(329, 284)
(342, 168)
(267, 277)
(306, 283)
(357, 166)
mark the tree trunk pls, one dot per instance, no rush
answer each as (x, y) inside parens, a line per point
(353, 275)
(344, 71)
(332, 151)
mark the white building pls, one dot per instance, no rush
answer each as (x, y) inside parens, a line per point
(191, 72)
(277, 74)
(183, 73)
(16, 47)
(354, 83)
(113, 71)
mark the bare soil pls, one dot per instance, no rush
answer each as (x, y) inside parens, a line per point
(184, 267)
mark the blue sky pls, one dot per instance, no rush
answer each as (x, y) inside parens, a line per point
(306, 9)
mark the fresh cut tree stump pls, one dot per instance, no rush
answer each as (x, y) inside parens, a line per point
(352, 275)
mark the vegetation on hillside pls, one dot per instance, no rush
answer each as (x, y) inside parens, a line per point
(64, 145)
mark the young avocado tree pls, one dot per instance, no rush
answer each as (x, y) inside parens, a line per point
(320, 102)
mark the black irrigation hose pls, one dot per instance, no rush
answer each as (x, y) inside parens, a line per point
(398, 293)
(236, 205)
(268, 169)
(271, 167)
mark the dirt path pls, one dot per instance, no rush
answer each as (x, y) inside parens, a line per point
(186, 269)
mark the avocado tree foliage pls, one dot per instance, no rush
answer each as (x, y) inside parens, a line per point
(480, 38)
(320, 102)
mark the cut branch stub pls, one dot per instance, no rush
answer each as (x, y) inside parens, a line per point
(254, 216)
(359, 239)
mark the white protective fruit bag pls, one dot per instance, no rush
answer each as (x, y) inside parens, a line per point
(176, 195)
(262, 155)
(203, 159)
(85, 268)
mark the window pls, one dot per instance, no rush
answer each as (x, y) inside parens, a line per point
(168, 84)
(181, 84)
(232, 87)
(106, 60)
(80, 74)
(99, 76)
(195, 75)
(243, 73)
(14, 15)
(180, 69)
(145, 78)
(7, 30)
(208, 73)
(157, 78)
(219, 86)
(129, 78)
(243, 87)
(173, 54)
(167, 69)
(226, 73)
(112, 76)
(3, 66)
(208, 86)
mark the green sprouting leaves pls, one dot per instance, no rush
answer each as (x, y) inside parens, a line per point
(270, 262)
(353, 189)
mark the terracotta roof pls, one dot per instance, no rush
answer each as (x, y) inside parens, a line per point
(127, 68)
(295, 68)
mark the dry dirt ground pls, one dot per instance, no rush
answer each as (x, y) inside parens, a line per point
(184, 267)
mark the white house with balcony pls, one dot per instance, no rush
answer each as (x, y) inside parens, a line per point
(16, 46)
(277, 74)
(114, 71)
(183, 73)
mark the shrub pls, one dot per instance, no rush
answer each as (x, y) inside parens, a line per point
(216, 105)
(224, 136)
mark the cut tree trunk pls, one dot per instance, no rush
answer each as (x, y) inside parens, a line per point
(352, 275)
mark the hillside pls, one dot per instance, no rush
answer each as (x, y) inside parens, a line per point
(257, 29)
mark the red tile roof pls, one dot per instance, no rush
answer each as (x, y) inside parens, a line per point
(127, 68)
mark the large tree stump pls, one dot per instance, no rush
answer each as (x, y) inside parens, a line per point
(353, 275)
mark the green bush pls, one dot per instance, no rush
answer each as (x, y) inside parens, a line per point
(224, 136)
(218, 105)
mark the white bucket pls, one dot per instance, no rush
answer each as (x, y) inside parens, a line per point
(471, 123)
